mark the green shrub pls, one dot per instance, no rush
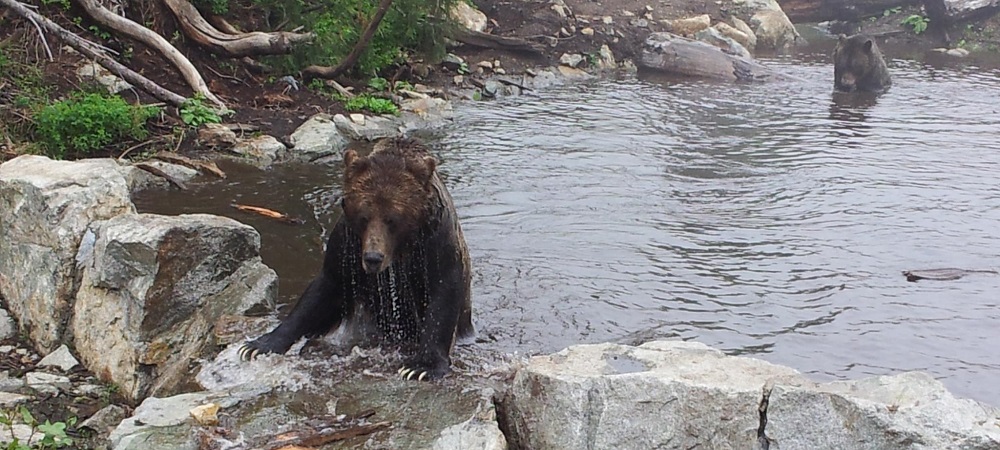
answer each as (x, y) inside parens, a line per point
(49, 435)
(373, 104)
(88, 122)
(410, 26)
(195, 113)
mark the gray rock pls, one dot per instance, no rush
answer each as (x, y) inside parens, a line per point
(468, 16)
(774, 30)
(571, 59)
(667, 394)
(317, 138)
(606, 59)
(46, 383)
(742, 27)
(160, 421)
(45, 207)
(452, 62)
(950, 11)
(373, 128)
(97, 73)
(104, 420)
(262, 150)
(739, 36)
(480, 432)
(907, 411)
(672, 394)
(688, 26)
(60, 358)
(216, 135)
(9, 400)
(7, 326)
(727, 44)
(153, 286)
(491, 88)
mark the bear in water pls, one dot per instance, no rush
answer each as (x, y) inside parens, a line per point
(396, 261)
(858, 65)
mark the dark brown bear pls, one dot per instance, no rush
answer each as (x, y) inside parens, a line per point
(858, 65)
(396, 260)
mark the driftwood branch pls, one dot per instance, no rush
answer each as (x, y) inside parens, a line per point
(229, 41)
(352, 58)
(485, 40)
(92, 51)
(105, 17)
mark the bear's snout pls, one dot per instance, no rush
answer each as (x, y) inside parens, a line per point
(373, 261)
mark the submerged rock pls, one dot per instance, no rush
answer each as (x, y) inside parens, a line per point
(675, 394)
(45, 206)
(151, 289)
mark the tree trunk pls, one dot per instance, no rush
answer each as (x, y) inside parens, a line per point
(122, 25)
(90, 50)
(822, 10)
(671, 54)
(230, 42)
(352, 58)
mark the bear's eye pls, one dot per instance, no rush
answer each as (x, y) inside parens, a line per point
(390, 222)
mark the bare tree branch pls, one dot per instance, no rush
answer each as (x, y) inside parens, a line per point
(131, 29)
(352, 58)
(91, 50)
(230, 42)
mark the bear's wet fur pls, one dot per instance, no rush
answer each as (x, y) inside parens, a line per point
(858, 65)
(396, 259)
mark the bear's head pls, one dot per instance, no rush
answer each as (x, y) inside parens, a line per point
(388, 198)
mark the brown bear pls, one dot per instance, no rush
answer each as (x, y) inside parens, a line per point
(396, 260)
(858, 65)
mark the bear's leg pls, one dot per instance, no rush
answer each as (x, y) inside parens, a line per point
(433, 358)
(320, 308)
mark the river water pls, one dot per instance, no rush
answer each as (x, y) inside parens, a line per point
(765, 220)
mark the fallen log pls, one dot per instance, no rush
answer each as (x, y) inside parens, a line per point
(123, 25)
(229, 42)
(91, 50)
(486, 40)
(822, 10)
(676, 55)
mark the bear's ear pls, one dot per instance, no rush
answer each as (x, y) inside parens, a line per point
(868, 45)
(350, 156)
(425, 170)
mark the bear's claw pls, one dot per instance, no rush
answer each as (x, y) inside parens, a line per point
(412, 374)
(247, 352)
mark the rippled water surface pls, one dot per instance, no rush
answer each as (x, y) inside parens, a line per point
(769, 220)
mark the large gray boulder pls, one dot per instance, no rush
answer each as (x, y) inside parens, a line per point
(679, 395)
(151, 289)
(908, 411)
(769, 23)
(45, 206)
(674, 395)
(676, 55)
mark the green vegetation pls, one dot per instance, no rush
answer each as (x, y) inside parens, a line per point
(410, 26)
(892, 11)
(216, 6)
(88, 122)
(44, 436)
(373, 104)
(916, 22)
(195, 113)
